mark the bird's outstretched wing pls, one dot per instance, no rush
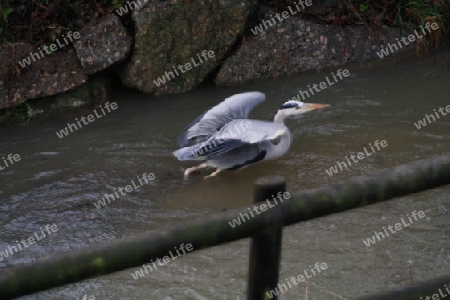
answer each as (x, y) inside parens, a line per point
(235, 134)
(235, 107)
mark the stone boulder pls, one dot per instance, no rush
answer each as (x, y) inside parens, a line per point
(50, 75)
(43, 75)
(296, 45)
(103, 45)
(5, 61)
(10, 71)
(176, 33)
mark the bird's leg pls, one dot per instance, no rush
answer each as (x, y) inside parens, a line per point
(217, 171)
(190, 170)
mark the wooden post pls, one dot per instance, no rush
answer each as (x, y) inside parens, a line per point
(265, 248)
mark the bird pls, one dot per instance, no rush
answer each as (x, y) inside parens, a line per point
(225, 139)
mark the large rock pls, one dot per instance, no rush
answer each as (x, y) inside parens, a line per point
(45, 75)
(4, 95)
(5, 61)
(173, 33)
(102, 45)
(295, 45)
(96, 89)
(50, 75)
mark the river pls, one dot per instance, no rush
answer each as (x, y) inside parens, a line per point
(58, 180)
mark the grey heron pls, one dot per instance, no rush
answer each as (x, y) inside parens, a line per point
(223, 137)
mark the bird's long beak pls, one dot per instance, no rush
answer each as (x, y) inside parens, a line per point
(312, 106)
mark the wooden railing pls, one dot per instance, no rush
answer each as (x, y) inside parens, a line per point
(213, 230)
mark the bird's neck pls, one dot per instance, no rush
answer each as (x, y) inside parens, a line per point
(280, 116)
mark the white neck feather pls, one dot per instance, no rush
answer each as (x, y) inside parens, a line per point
(280, 116)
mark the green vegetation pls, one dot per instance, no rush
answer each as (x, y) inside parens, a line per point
(116, 4)
(393, 13)
(406, 14)
(4, 11)
(420, 12)
(417, 11)
(363, 7)
(20, 112)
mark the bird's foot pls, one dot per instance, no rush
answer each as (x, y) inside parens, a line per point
(186, 173)
(213, 174)
(195, 168)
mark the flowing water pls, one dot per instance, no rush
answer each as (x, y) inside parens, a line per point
(57, 181)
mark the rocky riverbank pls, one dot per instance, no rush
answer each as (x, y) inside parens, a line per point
(164, 47)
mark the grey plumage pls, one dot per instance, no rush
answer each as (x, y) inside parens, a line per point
(235, 107)
(225, 139)
(235, 134)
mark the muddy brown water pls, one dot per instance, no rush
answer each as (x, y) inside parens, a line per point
(58, 180)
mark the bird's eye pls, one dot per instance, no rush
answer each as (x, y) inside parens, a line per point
(276, 140)
(298, 107)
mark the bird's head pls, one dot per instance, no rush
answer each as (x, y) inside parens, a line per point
(294, 108)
